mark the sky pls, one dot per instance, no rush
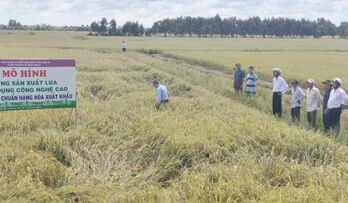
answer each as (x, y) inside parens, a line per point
(78, 12)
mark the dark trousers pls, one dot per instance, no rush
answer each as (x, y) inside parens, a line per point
(312, 119)
(326, 121)
(124, 49)
(277, 104)
(163, 102)
(296, 114)
(334, 119)
(238, 89)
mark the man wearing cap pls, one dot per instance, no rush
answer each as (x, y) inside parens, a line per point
(313, 103)
(338, 98)
(162, 94)
(279, 88)
(297, 96)
(327, 85)
(239, 76)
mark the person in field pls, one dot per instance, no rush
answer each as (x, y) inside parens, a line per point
(338, 98)
(251, 80)
(124, 46)
(162, 94)
(297, 96)
(328, 87)
(313, 103)
(280, 87)
(239, 76)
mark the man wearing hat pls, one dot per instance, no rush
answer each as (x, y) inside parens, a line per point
(313, 103)
(279, 88)
(338, 98)
(327, 86)
(297, 96)
(239, 76)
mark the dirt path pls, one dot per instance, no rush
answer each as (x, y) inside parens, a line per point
(208, 69)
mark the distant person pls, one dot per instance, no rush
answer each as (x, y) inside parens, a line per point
(239, 76)
(162, 94)
(326, 120)
(124, 46)
(297, 96)
(279, 88)
(313, 103)
(338, 98)
(251, 80)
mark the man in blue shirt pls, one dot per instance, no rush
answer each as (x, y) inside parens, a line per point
(326, 120)
(162, 94)
(297, 97)
(239, 76)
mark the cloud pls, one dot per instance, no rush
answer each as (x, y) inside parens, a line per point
(77, 12)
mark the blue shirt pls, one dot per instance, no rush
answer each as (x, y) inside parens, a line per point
(162, 94)
(251, 83)
(297, 95)
(238, 78)
(326, 99)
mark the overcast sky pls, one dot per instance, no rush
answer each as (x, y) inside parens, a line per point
(77, 12)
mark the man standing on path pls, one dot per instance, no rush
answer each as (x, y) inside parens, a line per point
(313, 103)
(162, 94)
(124, 46)
(239, 76)
(328, 88)
(251, 82)
(338, 98)
(297, 96)
(279, 88)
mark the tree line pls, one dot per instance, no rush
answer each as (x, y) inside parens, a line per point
(204, 27)
(105, 28)
(254, 26)
(15, 25)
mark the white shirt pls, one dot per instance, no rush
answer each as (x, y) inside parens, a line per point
(313, 99)
(280, 85)
(162, 94)
(297, 95)
(337, 98)
(124, 45)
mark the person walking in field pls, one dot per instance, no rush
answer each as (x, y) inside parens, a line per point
(251, 80)
(162, 94)
(313, 103)
(297, 96)
(124, 46)
(328, 88)
(338, 98)
(280, 87)
(239, 76)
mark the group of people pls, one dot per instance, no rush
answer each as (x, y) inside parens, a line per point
(333, 102)
(335, 98)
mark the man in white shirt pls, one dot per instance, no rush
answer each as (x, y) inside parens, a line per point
(279, 88)
(124, 46)
(338, 98)
(297, 96)
(313, 103)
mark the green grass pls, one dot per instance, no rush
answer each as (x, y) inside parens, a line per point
(207, 145)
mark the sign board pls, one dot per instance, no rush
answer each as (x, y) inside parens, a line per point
(37, 84)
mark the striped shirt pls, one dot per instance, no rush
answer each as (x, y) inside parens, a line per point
(251, 83)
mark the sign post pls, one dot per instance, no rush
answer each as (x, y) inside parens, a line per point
(37, 84)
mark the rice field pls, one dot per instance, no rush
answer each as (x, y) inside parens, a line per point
(207, 145)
